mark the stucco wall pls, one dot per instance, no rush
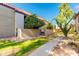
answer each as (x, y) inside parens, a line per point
(7, 22)
(77, 24)
(19, 18)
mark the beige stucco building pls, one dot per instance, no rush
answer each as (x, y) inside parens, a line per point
(11, 18)
(76, 22)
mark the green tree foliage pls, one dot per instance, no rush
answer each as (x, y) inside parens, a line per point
(32, 22)
(64, 17)
(48, 26)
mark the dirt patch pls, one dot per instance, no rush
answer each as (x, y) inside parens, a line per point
(66, 48)
(9, 51)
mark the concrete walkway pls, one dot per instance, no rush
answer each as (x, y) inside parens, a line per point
(45, 49)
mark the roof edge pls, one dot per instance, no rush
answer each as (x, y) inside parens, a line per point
(21, 11)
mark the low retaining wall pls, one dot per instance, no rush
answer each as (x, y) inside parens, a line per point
(31, 32)
(35, 32)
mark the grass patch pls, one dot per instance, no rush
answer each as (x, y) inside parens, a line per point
(6, 43)
(25, 46)
(30, 45)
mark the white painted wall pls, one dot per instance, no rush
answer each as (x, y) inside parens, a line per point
(7, 22)
(19, 19)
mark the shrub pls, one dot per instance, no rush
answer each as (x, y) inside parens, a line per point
(48, 26)
(32, 22)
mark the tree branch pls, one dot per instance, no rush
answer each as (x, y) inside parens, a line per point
(70, 20)
(69, 28)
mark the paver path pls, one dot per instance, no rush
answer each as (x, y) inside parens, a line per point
(44, 50)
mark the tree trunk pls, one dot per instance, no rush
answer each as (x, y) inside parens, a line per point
(65, 33)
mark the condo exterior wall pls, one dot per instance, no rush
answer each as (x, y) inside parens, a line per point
(7, 22)
(77, 24)
(11, 19)
(19, 20)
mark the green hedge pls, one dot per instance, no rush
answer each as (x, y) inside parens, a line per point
(48, 26)
(32, 22)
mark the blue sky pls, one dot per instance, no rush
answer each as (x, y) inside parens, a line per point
(44, 10)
